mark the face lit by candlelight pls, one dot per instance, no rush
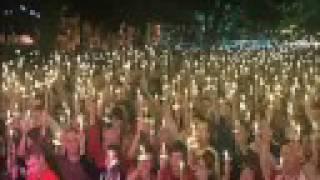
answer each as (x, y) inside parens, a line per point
(203, 133)
(175, 159)
(111, 157)
(33, 165)
(240, 135)
(111, 136)
(292, 154)
(72, 142)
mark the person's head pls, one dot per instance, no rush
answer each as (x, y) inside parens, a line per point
(143, 125)
(34, 136)
(253, 162)
(112, 156)
(265, 132)
(292, 155)
(315, 151)
(206, 164)
(145, 159)
(117, 117)
(204, 133)
(72, 141)
(35, 161)
(38, 102)
(178, 154)
(241, 135)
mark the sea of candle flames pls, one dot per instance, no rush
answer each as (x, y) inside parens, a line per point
(254, 83)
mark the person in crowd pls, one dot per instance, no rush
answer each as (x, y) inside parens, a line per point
(312, 166)
(207, 167)
(240, 151)
(141, 135)
(177, 168)
(37, 165)
(145, 165)
(292, 157)
(262, 146)
(112, 169)
(2, 156)
(252, 169)
(104, 132)
(72, 165)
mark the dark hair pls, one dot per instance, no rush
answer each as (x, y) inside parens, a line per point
(179, 146)
(35, 150)
(114, 147)
(48, 155)
(252, 160)
(40, 97)
(35, 134)
(209, 159)
(318, 151)
(117, 113)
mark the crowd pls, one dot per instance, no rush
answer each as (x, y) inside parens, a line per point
(137, 135)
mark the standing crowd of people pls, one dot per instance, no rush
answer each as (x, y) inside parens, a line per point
(142, 131)
(119, 149)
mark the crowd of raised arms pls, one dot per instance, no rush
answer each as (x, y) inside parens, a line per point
(247, 130)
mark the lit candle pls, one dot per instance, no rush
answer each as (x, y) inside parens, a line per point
(193, 128)
(181, 166)
(256, 128)
(163, 124)
(163, 153)
(80, 121)
(28, 114)
(280, 163)
(226, 155)
(298, 129)
(142, 150)
(8, 114)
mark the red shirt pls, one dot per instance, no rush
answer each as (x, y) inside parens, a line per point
(45, 175)
(167, 174)
(95, 146)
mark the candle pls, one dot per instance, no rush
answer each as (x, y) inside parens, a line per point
(193, 128)
(80, 121)
(256, 128)
(280, 166)
(226, 155)
(8, 114)
(62, 119)
(28, 114)
(163, 122)
(11, 132)
(68, 113)
(142, 149)
(163, 152)
(181, 167)
(298, 129)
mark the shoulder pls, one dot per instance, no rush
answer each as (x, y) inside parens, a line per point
(50, 175)
(246, 174)
(278, 177)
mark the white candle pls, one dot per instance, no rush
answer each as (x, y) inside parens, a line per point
(163, 124)
(256, 128)
(11, 133)
(181, 166)
(226, 155)
(28, 114)
(280, 163)
(193, 128)
(8, 114)
(142, 150)
(80, 120)
(298, 128)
